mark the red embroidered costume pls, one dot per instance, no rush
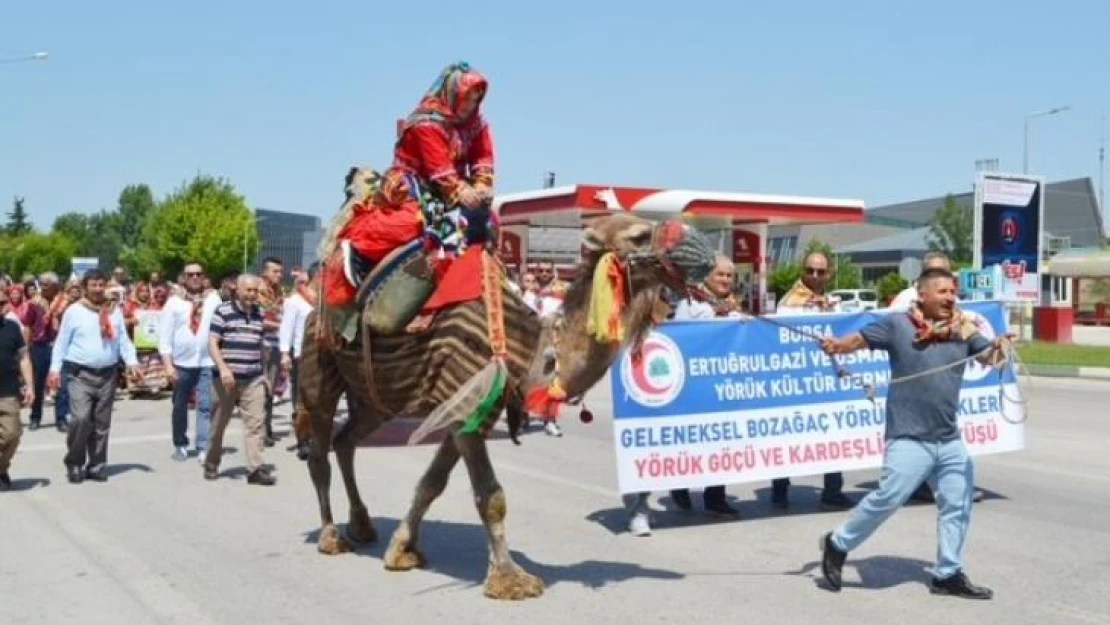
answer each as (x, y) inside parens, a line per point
(445, 148)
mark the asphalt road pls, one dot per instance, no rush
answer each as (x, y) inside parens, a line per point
(158, 544)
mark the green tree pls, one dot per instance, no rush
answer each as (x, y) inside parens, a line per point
(73, 225)
(204, 220)
(17, 219)
(952, 230)
(36, 253)
(890, 286)
(97, 235)
(783, 278)
(136, 203)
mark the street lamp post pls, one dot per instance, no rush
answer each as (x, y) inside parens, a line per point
(1028, 118)
(38, 56)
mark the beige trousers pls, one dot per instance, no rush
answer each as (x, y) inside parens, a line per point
(250, 396)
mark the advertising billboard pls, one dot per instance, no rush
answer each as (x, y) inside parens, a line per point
(1009, 218)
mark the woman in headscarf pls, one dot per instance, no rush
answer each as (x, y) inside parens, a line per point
(140, 300)
(445, 150)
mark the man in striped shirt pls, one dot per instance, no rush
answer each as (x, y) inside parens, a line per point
(235, 342)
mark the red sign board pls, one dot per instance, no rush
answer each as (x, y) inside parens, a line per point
(509, 249)
(745, 248)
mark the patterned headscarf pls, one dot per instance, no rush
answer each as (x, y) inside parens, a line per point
(443, 99)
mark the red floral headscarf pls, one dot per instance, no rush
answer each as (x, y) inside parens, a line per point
(443, 100)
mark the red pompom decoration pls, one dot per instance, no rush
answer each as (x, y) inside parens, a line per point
(585, 416)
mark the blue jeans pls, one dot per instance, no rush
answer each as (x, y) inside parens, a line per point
(188, 378)
(907, 463)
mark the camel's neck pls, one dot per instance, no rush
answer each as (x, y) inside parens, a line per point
(583, 361)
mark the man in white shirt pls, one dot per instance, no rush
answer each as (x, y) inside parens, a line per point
(809, 297)
(294, 316)
(183, 343)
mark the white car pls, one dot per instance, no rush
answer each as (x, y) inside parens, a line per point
(857, 300)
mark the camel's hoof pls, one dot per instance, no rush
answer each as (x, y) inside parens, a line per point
(403, 558)
(360, 529)
(513, 585)
(331, 543)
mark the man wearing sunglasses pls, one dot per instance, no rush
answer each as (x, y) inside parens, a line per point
(14, 364)
(809, 296)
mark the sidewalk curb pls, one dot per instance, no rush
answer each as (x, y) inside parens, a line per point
(1068, 371)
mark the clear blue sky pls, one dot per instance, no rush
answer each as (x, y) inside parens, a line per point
(883, 101)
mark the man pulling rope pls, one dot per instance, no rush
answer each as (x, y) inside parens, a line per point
(922, 433)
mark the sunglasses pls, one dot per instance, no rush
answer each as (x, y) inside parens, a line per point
(813, 271)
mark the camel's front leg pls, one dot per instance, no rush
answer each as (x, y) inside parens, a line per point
(505, 579)
(403, 554)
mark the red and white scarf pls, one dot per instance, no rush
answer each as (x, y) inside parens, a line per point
(104, 314)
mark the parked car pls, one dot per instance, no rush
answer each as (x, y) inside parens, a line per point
(857, 300)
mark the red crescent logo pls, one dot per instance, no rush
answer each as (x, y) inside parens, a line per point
(639, 375)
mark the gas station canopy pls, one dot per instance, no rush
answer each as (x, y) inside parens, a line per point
(567, 206)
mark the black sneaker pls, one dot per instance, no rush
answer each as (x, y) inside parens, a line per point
(96, 476)
(5, 481)
(832, 562)
(261, 477)
(681, 499)
(75, 475)
(958, 585)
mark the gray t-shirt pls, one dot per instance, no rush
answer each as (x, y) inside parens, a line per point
(923, 408)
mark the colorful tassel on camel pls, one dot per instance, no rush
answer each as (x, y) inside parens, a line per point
(608, 298)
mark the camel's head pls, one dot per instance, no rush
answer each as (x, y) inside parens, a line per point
(616, 297)
(670, 253)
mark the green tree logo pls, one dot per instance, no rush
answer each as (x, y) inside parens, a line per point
(659, 368)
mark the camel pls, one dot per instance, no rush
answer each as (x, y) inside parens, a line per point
(416, 374)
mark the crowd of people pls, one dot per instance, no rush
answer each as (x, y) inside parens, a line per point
(89, 342)
(220, 350)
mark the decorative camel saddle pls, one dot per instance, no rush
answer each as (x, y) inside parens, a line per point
(395, 291)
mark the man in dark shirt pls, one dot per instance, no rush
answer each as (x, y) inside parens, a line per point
(922, 434)
(14, 364)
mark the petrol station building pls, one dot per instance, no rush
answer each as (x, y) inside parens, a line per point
(738, 222)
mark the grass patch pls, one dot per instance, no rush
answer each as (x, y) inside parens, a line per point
(1042, 353)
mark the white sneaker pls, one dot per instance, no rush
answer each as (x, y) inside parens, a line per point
(201, 455)
(180, 454)
(639, 525)
(552, 429)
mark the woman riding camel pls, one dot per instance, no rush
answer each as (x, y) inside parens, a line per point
(444, 150)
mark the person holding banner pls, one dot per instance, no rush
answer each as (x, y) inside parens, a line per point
(932, 341)
(719, 302)
(807, 297)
